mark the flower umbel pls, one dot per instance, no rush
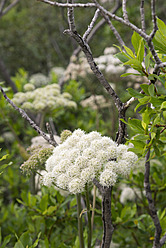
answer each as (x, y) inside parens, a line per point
(82, 157)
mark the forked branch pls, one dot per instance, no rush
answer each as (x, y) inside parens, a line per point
(31, 122)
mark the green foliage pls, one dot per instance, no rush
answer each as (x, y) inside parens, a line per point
(160, 38)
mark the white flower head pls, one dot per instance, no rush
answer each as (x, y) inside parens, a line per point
(131, 157)
(63, 181)
(76, 186)
(108, 178)
(82, 157)
(88, 174)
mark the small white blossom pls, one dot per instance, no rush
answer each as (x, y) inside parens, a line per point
(127, 194)
(108, 178)
(76, 186)
(88, 174)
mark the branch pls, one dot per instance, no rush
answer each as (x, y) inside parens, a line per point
(2, 5)
(148, 38)
(70, 15)
(154, 20)
(69, 5)
(49, 130)
(9, 7)
(98, 185)
(158, 66)
(114, 30)
(152, 209)
(163, 240)
(142, 16)
(125, 15)
(94, 67)
(98, 26)
(129, 102)
(26, 117)
(106, 217)
(91, 26)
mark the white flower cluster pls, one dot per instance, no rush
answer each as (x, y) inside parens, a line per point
(95, 102)
(44, 99)
(107, 63)
(83, 157)
(39, 80)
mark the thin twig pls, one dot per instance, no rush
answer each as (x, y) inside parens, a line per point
(148, 38)
(129, 102)
(9, 7)
(2, 5)
(114, 30)
(163, 240)
(125, 15)
(90, 27)
(142, 16)
(50, 132)
(154, 19)
(68, 5)
(98, 26)
(26, 117)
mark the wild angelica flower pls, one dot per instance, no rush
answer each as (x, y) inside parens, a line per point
(82, 157)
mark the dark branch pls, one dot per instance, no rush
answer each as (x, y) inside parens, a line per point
(26, 117)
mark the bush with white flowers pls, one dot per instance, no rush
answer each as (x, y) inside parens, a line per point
(83, 157)
(45, 99)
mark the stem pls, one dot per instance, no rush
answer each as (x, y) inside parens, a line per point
(94, 204)
(32, 184)
(89, 216)
(80, 227)
(106, 217)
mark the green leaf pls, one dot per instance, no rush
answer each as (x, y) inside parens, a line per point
(135, 93)
(129, 52)
(145, 87)
(136, 125)
(4, 157)
(123, 58)
(147, 61)
(163, 106)
(151, 90)
(6, 241)
(153, 135)
(135, 40)
(135, 64)
(159, 42)
(141, 50)
(19, 245)
(31, 200)
(26, 239)
(156, 101)
(128, 74)
(44, 203)
(51, 209)
(156, 149)
(162, 214)
(161, 26)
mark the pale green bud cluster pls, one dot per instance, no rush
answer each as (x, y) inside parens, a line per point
(45, 99)
(37, 159)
